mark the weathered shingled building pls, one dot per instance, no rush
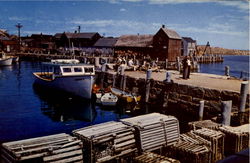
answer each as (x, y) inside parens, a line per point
(76, 39)
(165, 44)
(134, 44)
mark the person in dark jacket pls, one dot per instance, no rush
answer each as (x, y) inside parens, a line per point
(185, 68)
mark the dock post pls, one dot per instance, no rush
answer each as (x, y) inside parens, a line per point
(201, 110)
(103, 69)
(168, 77)
(85, 60)
(122, 76)
(166, 64)
(227, 69)
(148, 77)
(124, 83)
(97, 64)
(114, 80)
(243, 95)
(178, 64)
(226, 112)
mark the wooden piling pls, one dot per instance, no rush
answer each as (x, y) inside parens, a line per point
(148, 77)
(226, 112)
(166, 64)
(201, 110)
(114, 80)
(227, 70)
(168, 77)
(244, 90)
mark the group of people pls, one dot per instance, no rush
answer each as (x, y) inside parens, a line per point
(186, 67)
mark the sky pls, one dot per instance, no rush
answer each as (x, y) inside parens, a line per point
(222, 23)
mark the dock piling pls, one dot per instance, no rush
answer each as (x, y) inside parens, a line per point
(201, 110)
(243, 95)
(148, 77)
(227, 70)
(226, 112)
(168, 77)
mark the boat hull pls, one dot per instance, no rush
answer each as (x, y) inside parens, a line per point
(80, 86)
(6, 62)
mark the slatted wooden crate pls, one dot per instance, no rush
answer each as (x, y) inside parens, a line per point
(235, 139)
(203, 124)
(217, 142)
(107, 141)
(188, 152)
(149, 157)
(196, 139)
(55, 148)
(154, 130)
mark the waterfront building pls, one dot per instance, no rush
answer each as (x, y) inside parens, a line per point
(188, 46)
(105, 45)
(167, 44)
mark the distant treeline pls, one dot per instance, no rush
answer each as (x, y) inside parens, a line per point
(222, 51)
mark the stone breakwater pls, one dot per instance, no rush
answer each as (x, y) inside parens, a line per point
(173, 95)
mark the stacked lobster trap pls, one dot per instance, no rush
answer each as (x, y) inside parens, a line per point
(149, 157)
(217, 142)
(204, 124)
(154, 130)
(55, 148)
(235, 139)
(107, 141)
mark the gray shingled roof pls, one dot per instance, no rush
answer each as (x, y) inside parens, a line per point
(171, 33)
(135, 41)
(80, 35)
(106, 42)
(188, 39)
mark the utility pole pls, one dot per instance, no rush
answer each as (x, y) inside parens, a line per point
(19, 26)
(79, 29)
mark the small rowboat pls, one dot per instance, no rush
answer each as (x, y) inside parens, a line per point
(129, 97)
(109, 99)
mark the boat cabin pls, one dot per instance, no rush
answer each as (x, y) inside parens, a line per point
(51, 70)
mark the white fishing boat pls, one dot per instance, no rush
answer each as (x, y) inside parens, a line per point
(73, 78)
(109, 99)
(15, 59)
(5, 60)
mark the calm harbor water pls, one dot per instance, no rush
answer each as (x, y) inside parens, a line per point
(27, 112)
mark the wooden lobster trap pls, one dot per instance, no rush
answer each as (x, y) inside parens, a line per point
(107, 141)
(55, 148)
(236, 139)
(149, 157)
(154, 130)
(188, 152)
(203, 124)
(217, 142)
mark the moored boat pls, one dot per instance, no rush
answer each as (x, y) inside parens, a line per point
(73, 78)
(109, 99)
(129, 97)
(5, 61)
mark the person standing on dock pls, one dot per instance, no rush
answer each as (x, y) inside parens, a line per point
(185, 68)
(188, 67)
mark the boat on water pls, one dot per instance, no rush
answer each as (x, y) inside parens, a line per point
(5, 60)
(68, 76)
(109, 99)
(129, 97)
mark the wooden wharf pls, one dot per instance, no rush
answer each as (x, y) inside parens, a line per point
(55, 148)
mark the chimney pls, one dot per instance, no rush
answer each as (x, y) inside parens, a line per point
(163, 26)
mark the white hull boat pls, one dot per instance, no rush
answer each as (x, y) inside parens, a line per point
(5, 61)
(109, 99)
(75, 79)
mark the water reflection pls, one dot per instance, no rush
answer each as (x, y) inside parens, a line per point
(63, 108)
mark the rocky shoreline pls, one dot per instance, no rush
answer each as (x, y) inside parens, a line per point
(221, 51)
